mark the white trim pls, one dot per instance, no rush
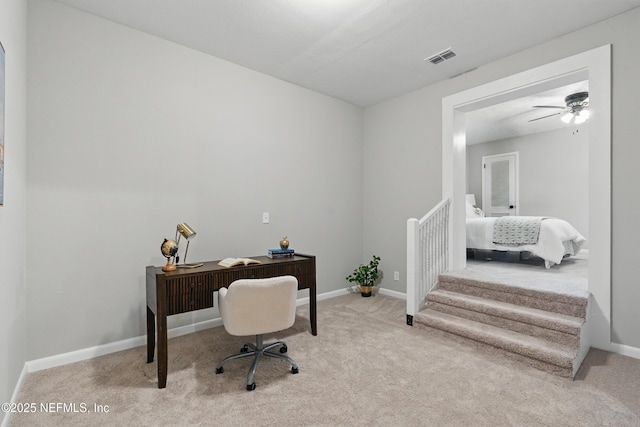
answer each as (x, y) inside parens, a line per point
(595, 65)
(516, 179)
(624, 350)
(394, 294)
(113, 347)
(413, 255)
(84, 354)
(323, 296)
(14, 397)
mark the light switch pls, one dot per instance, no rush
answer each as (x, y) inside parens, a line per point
(265, 217)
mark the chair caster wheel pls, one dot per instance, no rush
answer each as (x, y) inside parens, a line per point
(244, 349)
(219, 370)
(251, 387)
(294, 370)
(283, 349)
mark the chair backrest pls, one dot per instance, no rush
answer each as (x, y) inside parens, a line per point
(258, 306)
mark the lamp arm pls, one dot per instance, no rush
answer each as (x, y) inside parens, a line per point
(185, 253)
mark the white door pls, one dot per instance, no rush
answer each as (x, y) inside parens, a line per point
(500, 184)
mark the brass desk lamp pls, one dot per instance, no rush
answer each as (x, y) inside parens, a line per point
(183, 230)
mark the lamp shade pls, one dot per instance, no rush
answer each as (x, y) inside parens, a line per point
(186, 231)
(582, 116)
(566, 117)
(471, 198)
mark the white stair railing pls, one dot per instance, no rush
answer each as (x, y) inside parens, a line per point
(427, 255)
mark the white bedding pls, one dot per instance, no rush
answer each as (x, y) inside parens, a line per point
(551, 242)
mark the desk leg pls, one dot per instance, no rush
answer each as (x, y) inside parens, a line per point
(162, 350)
(151, 335)
(312, 310)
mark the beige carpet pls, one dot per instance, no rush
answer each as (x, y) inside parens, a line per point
(570, 277)
(365, 367)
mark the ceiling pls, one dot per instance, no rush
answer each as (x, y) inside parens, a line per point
(512, 118)
(360, 51)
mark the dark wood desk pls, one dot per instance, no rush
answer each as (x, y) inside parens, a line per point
(189, 289)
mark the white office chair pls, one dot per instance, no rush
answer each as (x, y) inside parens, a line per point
(256, 307)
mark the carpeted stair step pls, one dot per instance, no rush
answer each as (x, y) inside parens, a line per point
(559, 357)
(569, 305)
(555, 327)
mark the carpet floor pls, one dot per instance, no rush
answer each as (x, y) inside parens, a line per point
(365, 367)
(571, 277)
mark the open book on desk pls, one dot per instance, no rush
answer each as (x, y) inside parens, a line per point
(231, 262)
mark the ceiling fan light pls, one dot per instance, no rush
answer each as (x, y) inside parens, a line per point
(566, 117)
(582, 116)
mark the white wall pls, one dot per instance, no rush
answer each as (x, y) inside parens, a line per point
(111, 110)
(411, 124)
(13, 332)
(130, 135)
(553, 173)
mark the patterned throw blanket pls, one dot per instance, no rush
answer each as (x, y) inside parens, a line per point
(516, 230)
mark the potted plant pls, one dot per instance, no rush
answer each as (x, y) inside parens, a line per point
(366, 276)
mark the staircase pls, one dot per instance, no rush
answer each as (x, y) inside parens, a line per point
(540, 328)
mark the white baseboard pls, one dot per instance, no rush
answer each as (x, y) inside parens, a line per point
(103, 349)
(14, 397)
(323, 296)
(84, 354)
(624, 350)
(394, 294)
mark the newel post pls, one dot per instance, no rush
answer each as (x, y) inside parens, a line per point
(413, 254)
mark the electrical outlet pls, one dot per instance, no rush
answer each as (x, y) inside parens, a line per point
(265, 217)
(396, 275)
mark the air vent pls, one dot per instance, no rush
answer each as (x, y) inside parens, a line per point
(441, 56)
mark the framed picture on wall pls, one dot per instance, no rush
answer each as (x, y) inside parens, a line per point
(1, 124)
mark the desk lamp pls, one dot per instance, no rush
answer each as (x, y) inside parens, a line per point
(183, 230)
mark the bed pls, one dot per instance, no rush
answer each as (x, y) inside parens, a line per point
(551, 239)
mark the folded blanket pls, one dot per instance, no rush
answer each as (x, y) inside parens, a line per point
(516, 230)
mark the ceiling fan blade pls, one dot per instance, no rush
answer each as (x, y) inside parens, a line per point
(544, 117)
(547, 106)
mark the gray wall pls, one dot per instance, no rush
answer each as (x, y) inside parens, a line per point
(13, 304)
(554, 173)
(403, 149)
(130, 135)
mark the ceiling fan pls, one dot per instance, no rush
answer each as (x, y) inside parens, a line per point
(576, 109)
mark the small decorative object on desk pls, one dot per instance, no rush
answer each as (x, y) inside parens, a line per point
(169, 250)
(365, 276)
(280, 253)
(231, 262)
(284, 243)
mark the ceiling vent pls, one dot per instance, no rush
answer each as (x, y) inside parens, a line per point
(441, 56)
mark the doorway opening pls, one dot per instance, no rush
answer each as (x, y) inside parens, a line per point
(593, 65)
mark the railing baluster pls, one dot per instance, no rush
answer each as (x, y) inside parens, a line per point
(427, 254)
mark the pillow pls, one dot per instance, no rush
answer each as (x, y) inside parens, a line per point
(474, 212)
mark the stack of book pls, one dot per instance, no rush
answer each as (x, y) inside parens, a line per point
(280, 253)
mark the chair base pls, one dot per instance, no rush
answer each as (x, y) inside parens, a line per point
(257, 351)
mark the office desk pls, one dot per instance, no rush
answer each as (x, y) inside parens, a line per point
(189, 289)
